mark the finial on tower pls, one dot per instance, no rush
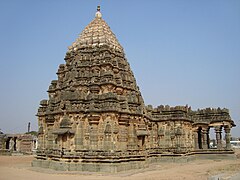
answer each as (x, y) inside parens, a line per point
(98, 13)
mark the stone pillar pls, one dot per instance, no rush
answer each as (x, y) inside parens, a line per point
(205, 138)
(227, 137)
(11, 145)
(208, 139)
(218, 131)
(195, 134)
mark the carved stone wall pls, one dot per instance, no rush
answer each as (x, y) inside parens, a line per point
(95, 111)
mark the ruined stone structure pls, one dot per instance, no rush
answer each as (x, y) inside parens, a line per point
(96, 120)
(17, 143)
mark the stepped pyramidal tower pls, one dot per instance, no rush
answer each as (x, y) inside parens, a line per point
(95, 118)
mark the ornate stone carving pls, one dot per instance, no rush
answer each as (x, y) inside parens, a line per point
(96, 113)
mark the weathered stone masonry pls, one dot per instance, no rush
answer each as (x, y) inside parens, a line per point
(96, 120)
(17, 143)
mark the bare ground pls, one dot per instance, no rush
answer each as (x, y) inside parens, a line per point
(19, 167)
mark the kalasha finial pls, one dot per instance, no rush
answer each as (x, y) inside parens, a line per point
(98, 8)
(98, 13)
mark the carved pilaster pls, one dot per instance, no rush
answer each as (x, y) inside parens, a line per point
(132, 144)
(79, 136)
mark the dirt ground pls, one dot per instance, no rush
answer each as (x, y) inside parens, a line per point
(19, 167)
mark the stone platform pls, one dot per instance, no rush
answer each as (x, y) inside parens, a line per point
(120, 164)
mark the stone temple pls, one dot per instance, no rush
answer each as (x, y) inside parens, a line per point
(95, 118)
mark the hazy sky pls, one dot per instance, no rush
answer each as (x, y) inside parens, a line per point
(181, 52)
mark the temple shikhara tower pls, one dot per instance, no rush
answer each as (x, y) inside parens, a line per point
(95, 118)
